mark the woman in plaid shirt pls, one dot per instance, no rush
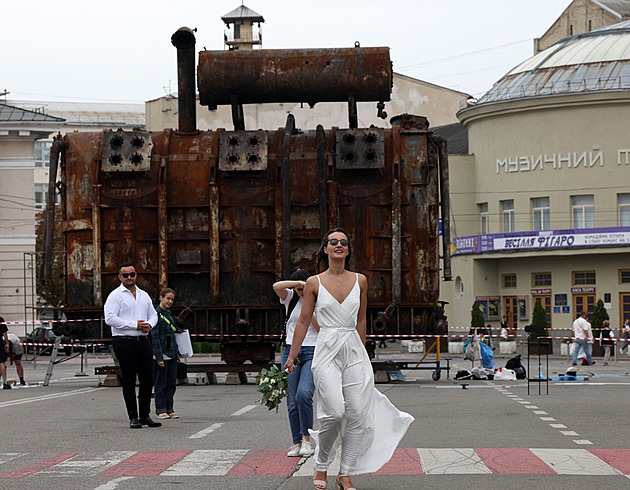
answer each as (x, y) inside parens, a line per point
(165, 357)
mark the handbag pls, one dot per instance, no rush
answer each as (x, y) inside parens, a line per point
(184, 345)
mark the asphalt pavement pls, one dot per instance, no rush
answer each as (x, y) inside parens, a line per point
(472, 433)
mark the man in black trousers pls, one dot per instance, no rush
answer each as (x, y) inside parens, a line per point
(130, 314)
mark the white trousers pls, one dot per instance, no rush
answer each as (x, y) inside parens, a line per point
(345, 407)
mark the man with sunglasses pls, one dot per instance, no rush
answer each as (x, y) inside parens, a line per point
(130, 314)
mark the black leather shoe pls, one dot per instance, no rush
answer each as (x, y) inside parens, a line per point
(135, 424)
(149, 421)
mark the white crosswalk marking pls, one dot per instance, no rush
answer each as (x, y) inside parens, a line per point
(93, 466)
(240, 462)
(206, 462)
(574, 462)
(446, 461)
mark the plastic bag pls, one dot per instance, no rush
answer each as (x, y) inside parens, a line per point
(184, 345)
(505, 374)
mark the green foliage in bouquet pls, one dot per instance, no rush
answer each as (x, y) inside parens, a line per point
(273, 384)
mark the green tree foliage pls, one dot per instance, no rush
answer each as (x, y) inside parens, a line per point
(476, 317)
(539, 319)
(599, 315)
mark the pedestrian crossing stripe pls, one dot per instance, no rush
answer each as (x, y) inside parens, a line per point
(274, 462)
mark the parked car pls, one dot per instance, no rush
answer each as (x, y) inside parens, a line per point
(45, 335)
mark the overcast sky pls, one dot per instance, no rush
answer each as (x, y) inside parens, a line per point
(120, 51)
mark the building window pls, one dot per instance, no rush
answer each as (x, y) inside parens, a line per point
(624, 276)
(41, 196)
(42, 153)
(507, 209)
(541, 279)
(623, 203)
(484, 218)
(582, 278)
(489, 306)
(508, 280)
(541, 212)
(583, 211)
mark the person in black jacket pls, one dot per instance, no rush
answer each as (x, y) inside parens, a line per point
(605, 340)
(165, 357)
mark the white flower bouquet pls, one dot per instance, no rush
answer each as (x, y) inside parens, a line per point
(273, 384)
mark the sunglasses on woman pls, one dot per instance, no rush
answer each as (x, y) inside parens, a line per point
(335, 241)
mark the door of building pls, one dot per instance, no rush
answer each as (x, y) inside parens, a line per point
(584, 302)
(624, 302)
(510, 310)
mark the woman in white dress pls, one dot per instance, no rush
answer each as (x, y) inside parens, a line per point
(350, 410)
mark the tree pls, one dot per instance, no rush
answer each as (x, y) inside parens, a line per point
(476, 317)
(599, 315)
(539, 321)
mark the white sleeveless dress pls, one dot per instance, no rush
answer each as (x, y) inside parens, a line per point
(350, 410)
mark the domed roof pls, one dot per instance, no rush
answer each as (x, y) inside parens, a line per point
(589, 62)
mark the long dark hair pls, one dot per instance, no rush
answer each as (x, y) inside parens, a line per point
(300, 275)
(322, 257)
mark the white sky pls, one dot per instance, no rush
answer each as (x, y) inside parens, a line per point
(120, 51)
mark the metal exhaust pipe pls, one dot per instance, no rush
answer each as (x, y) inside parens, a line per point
(184, 41)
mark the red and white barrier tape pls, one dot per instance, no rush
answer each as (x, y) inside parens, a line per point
(37, 344)
(39, 322)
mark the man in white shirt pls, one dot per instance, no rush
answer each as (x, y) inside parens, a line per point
(581, 332)
(130, 314)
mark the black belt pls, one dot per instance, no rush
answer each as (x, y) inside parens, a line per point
(130, 337)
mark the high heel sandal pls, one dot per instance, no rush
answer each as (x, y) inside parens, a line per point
(340, 485)
(320, 484)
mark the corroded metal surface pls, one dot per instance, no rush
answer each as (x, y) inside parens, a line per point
(294, 75)
(222, 235)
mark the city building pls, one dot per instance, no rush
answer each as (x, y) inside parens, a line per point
(26, 132)
(540, 197)
(582, 16)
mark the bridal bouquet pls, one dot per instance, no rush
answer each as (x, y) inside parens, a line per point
(273, 384)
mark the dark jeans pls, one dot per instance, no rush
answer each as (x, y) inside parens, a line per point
(165, 385)
(136, 359)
